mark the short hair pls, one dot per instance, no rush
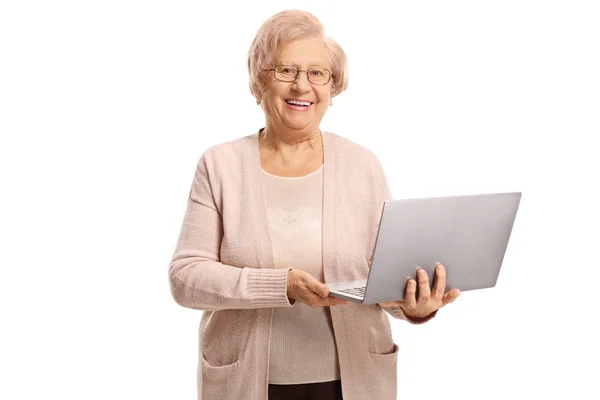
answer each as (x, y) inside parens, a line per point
(281, 29)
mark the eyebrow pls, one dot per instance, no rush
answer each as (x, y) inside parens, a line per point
(295, 64)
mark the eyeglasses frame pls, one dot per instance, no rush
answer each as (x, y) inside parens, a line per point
(298, 73)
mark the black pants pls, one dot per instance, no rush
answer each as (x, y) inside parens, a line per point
(307, 391)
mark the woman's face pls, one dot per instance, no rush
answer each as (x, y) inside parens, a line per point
(279, 113)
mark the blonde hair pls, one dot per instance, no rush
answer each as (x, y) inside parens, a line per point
(283, 28)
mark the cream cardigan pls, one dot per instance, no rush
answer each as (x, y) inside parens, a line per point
(223, 265)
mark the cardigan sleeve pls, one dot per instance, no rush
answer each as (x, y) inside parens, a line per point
(383, 194)
(198, 280)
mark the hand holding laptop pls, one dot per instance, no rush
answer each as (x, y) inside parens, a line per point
(468, 234)
(302, 286)
(428, 300)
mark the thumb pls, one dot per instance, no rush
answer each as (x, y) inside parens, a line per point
(320, 288)
(450, 296)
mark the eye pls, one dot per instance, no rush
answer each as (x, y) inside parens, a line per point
(287, 70)
(316, 72)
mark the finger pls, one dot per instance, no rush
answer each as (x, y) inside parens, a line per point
(410, 301)
(439, 286)
(424, 289)
(337, 302)
(319, 288)
(314, 300)
(450, 296)
(317, 301)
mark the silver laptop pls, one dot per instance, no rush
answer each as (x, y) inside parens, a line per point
(467, 234)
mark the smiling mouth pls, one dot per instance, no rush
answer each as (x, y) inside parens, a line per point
(299, 103)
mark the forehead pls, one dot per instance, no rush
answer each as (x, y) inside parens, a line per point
(304, 53)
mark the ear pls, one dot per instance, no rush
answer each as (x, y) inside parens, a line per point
(332, 94)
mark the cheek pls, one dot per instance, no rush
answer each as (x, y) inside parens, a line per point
(324, 96)
(323, 102)
(269, 103)
(272, 109)
(274, 98)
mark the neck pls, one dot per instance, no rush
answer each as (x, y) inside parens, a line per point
(285, 149)
(286, 141)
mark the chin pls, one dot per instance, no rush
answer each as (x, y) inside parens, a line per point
(299, 125)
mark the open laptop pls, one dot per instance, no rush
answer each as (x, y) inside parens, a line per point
(467, 234)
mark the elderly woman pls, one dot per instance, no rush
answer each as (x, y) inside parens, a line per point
(270, 218)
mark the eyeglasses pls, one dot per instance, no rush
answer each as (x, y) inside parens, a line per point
(289, 73)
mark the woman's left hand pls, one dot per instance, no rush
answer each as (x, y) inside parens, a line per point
(430, 300)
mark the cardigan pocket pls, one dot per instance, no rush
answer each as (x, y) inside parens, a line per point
(224, 336)
(392, 354)
(383, 374)
(216, 381)
(214, 366)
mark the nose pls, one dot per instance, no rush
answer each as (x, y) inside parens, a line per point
(301, 84)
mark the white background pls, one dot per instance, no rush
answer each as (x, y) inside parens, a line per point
(106, 106)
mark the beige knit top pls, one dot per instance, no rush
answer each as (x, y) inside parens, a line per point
(302, 348)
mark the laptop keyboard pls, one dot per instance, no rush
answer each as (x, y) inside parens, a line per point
(357, 291)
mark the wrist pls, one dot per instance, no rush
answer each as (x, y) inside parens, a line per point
(419, 319)
(289, 289)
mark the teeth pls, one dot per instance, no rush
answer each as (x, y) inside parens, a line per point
(299, 103)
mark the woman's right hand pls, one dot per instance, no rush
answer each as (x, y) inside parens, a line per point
(304, 287)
